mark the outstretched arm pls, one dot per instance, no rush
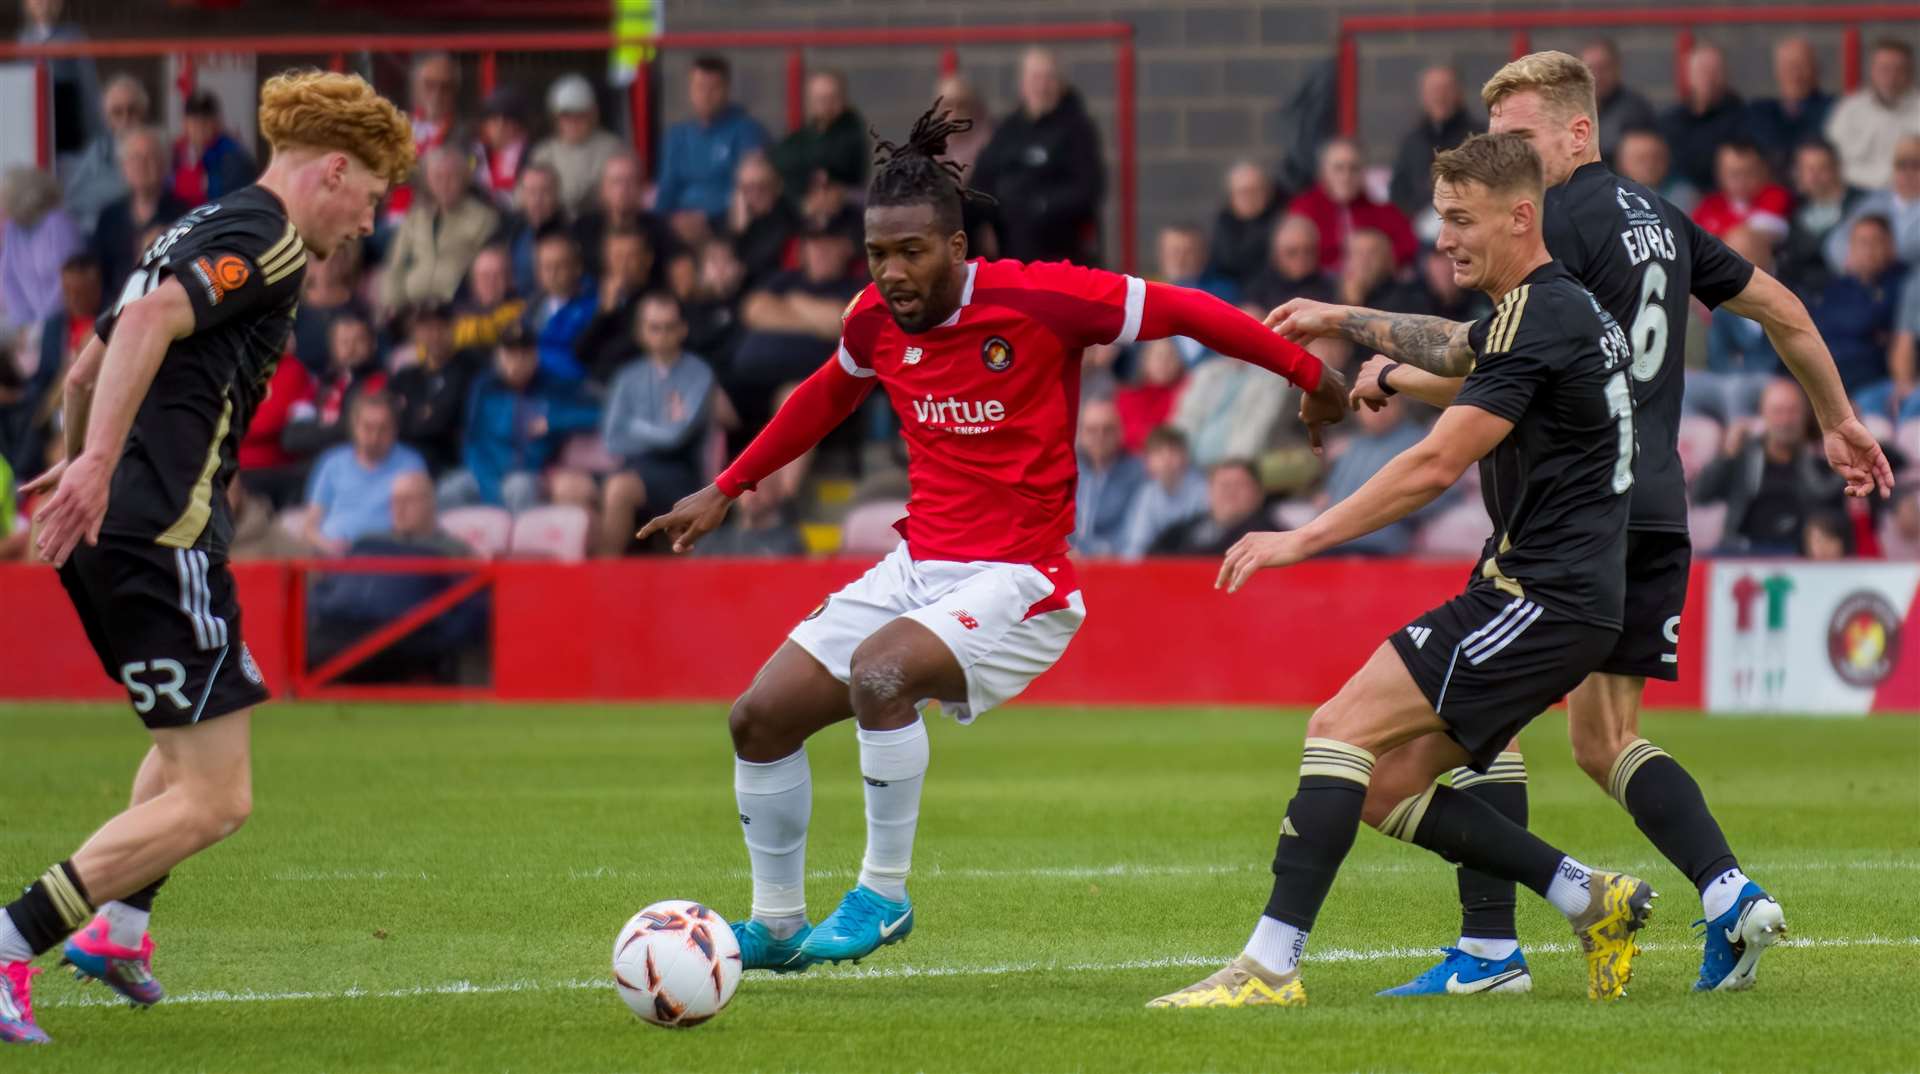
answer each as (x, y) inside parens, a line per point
(1434, 344)
(1413, 479)
(1851, 450)
(815, 408)
(1181, 311)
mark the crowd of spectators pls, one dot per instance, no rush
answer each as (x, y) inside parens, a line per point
(547, 317)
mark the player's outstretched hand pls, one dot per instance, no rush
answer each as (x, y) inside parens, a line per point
(1856, 456)
(1366, 384)
(692, 518)
(1257, 550)
(46, 482)
(1302, 319)
(1325, 405)
(76, 510)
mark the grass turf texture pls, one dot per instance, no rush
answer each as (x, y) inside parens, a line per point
(434, 888)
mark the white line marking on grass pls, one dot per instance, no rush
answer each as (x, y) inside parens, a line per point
(1106, 871)
(874, 973)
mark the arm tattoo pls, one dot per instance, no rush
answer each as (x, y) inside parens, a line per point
(1434, 344)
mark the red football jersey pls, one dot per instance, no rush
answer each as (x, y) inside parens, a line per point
(989, 402)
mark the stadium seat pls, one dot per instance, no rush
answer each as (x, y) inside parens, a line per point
(1460, 530)
(588, 453)
(486, 530)
(1293, 514)
(1706, 523)
(557, 531)
(868, 530)
(1907, 439)
(1879, 425)
(1700, 440)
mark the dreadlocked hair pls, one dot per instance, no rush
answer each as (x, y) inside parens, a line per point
(917, 171)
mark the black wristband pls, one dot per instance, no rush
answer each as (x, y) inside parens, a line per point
(1381, 379)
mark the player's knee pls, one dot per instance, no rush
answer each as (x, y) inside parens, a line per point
(1330, 720)
(1594, 752)
(877, 680)
(218, 812)
(748, 722)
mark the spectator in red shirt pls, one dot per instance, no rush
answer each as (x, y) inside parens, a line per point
(207, 163)
(1746, 195)
(267, 468)
(1338, 205)
(1148, 405)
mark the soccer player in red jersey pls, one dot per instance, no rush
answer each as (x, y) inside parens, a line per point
(981, 361)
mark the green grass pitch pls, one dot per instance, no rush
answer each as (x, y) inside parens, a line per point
(437, 888)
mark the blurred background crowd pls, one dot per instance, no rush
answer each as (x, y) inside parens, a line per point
(550, 337)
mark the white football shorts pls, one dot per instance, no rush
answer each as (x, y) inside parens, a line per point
(1005, 622)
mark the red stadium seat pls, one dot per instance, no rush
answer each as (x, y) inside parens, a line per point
(486, 530)
(557, 531)
(1700, 440)
(868, 530)
(1706, 523)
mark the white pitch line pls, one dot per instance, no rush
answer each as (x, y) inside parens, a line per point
(874, 973)
(1112, 871)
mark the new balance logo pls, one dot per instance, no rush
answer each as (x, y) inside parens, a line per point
(966, 620)
(912, 357)
(1419, 634)
(1287, 828)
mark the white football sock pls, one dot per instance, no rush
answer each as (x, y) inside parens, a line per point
(1276, 945)
(776, 801)
(13, 946)
(1491, 950)
(126, 925)
(1722, 893)
(894, 765)
(1568, 891)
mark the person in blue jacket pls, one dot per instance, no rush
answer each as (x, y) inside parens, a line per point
(518, 418)
(697, 164)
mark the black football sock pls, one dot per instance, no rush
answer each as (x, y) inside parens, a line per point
(1667, 805)
(142, 900)
(51, 908)
(1318, 829)
(1487, 902)
(1466, 831)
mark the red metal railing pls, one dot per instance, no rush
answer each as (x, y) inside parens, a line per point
(320, 683)
(1682, 19)
(488, 46)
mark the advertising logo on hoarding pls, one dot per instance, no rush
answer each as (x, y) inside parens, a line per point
(1862, 639)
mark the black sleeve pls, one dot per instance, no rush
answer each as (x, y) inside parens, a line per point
(1718, 272)
(1518, 351)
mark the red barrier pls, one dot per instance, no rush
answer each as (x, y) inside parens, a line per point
(1681, 17)
(655, 629)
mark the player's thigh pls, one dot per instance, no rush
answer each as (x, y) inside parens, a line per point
(1603, 718)
(1003, 624)
(791, 697)
(900, 664)
(1377, 709)
(212, 762)
(837, 626)
(1407, 770)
